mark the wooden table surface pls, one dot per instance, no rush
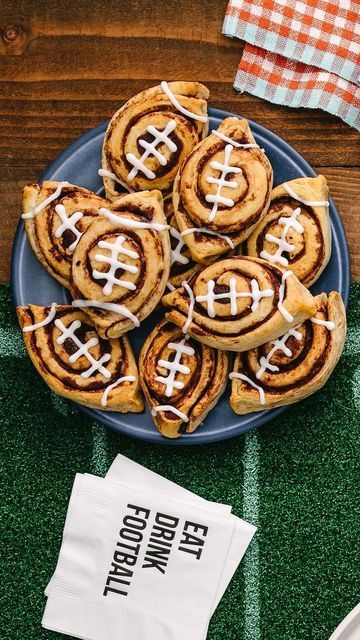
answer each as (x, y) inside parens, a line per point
(67, 66)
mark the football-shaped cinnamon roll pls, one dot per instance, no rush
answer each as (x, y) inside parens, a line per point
(76, 363)
(295, 232)
(238, 303)
(181, 379)
(55, 215)
(149, 137)
(222, 190)
(121, 264)
(294, 366)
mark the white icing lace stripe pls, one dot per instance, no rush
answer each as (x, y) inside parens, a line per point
(44, 203)
(131, 224)
(324, 323)
(49, 318)
(176, 255)
(210, 233)
(189, 291)
(288, 317)
(225, 168)
(83, 349)
(104, 173)
(170, 286)
(175, 366)
(241, 376)
(160, 137)
(68, 224)
(166, 89)
(116, 248)
(104, 396)
(282, 244)
(256, 294)
(168, 407)
(279, 345)
(233, 142)
(107, 306)
(309, 203)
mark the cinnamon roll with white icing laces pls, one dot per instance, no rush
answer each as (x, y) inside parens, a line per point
(295, 232)
(238, 303)
(55, 215)
(288, 369)
(182, 379)
(121, 264)
(222, 190)
(76, 363)
(150, 135)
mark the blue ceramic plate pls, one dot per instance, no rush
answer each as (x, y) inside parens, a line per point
(79, 164)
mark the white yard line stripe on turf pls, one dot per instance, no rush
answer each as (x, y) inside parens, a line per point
(11, 343)
(99, 458)
(252, 557)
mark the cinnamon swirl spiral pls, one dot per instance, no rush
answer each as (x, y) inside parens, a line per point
(121, 264)
(293, 367)
(55, 215)
(75, 363)
(295, 232)
(150, 135)
(182, 379)
(238, 303)
(222, 190)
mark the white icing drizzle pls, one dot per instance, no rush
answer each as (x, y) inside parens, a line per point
(234, 143)
(176, 255)
(279, 345)
(189, 291)
(288, 317)
(166, 89)
(44, 203)
(324, 323)
(282, 244)
(104, 396)
(175, 366)
(160, 137)
(115, 249)
(130, 223)
(104, 173)
(241, 376)
(107, 306)
(221, 182)
(210, 233)
(49, 318)
(170, 286)
(83, 349)
(256, 294)
(68, 223)
(310, 203)
(168, 407)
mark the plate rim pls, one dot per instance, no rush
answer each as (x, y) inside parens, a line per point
(198, 437)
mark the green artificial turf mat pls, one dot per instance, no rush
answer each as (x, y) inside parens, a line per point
(296, 478)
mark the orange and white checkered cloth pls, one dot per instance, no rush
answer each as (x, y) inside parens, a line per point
(300, 53)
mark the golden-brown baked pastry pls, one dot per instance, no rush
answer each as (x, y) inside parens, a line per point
(238, 303)
(295, 232)
(121, 264)
(150, 135)
(182, 264)
(56, 214)
(182, 379)
(75, 363)
(295, 366)
(222, 190)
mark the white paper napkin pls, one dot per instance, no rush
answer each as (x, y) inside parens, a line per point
(134, 565)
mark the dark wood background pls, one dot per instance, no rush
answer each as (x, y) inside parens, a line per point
(66, 66)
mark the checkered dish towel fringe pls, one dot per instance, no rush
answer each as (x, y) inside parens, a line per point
(300, 54)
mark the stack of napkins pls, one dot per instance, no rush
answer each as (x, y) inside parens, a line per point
(141, 558)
